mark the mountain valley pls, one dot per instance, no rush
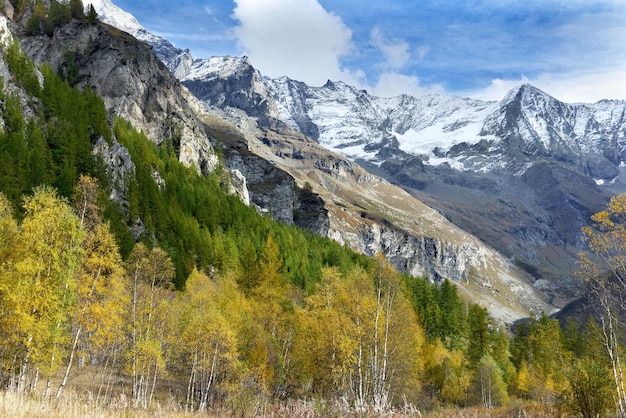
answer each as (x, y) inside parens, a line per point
(202, 238)
(523, 175)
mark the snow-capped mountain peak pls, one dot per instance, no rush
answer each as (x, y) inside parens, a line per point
(222, 67)
(178, 61)
(113, 15)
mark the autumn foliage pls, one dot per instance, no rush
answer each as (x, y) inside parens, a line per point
(215, 308)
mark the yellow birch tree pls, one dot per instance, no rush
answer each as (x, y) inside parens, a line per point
(151, 272)
(102, 291)
(604, 271)
(206, 344)
(38, 286)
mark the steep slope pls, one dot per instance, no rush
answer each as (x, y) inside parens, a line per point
(523, 175)
(373, 216)
(132, 82)
(364, 211)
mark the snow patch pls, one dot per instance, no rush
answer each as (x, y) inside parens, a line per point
(5, 33)
(602, 182)
(222, 67)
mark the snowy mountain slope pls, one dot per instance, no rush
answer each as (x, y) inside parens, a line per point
(590, 136)
(434, 121)
(115, 16)
(527, 121)
(432, 127)
(439, 129)
(178, 61)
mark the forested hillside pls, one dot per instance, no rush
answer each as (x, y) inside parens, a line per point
(181, 295)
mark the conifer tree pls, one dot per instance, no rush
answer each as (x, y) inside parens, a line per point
(92, 15)
(478, 334)
(77, 9)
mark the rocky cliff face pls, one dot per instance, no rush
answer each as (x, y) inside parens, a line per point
(271, 189)
(231, 82)
(419, 256)
(133, 83)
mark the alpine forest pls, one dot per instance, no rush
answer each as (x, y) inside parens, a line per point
(160, 292)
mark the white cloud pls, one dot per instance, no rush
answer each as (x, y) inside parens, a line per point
(393, 84)
(298, 38)
(303, 40)
(422, 51)
(396, 50)
(497, 89)
(578, 87)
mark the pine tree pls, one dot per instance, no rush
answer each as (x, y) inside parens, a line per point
(478, 334)
(77, 10)
(92, 15)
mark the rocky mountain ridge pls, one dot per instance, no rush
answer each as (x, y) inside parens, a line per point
(523, 174)
(133, 83)
(440, 129)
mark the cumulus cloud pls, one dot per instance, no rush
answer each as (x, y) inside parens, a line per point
(298, 38)
(585, 87)
(574, 56)
(391, 84)
(396, 50)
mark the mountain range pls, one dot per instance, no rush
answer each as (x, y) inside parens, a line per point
(523, 175)
(489, 194)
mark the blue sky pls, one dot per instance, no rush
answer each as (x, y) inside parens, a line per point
(574, 50)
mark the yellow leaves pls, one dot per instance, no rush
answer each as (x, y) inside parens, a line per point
(523, 380)
(205, 342)
(607, 241)
(85, 202)
(102, 289)
(602, 219)
(152, 267)
(617, 205)
(37, 278)
(360, 328)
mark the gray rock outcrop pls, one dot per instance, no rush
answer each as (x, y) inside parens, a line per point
(133, 83)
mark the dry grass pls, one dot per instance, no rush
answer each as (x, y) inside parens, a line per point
(515, 409)
(73, 405)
